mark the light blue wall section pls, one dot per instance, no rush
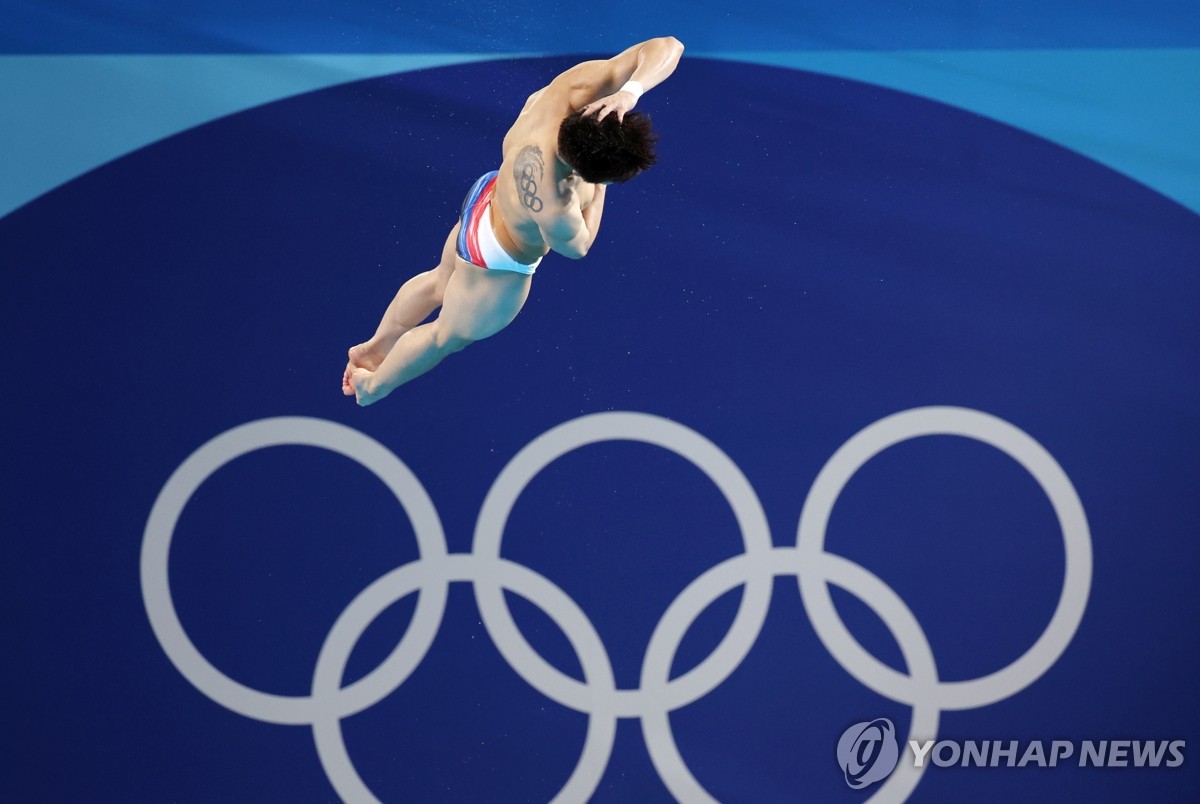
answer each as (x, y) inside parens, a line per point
(1134, 110)
(74, 113)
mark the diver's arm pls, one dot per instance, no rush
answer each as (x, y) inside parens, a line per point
(648, 64)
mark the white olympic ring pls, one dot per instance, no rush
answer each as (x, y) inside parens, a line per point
(160, 528)
(725, 475)
(597, 696)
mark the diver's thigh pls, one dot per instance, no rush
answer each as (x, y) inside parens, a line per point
(478, 303)
(449, 260)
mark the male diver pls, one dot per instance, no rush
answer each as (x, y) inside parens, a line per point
(572, 138)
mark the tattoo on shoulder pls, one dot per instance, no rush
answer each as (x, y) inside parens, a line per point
(529, 170)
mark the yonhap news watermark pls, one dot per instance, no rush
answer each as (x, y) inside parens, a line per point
(869, 752)
(1048, 754)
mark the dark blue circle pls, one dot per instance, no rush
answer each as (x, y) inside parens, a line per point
(810, 255)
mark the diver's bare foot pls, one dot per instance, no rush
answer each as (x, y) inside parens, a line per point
(367, 356)
(362, 385)
(364, 356)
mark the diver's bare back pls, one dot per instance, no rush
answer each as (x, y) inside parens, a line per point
(531, 197)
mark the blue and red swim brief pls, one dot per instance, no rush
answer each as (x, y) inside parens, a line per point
(477, 243)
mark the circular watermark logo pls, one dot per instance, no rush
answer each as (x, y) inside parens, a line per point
(867, 752)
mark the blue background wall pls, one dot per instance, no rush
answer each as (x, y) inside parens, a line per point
(860, 210)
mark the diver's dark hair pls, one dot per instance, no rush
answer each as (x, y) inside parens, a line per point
(608, 150)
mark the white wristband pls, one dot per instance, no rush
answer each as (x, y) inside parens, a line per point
(634, 88)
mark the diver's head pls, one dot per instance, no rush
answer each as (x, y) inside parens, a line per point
(608, 150)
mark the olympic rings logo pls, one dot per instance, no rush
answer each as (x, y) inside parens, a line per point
(597, 696)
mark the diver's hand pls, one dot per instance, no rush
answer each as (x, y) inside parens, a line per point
(620, 102)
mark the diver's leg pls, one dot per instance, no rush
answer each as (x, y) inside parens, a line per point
(477, 304)
(413, 303)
